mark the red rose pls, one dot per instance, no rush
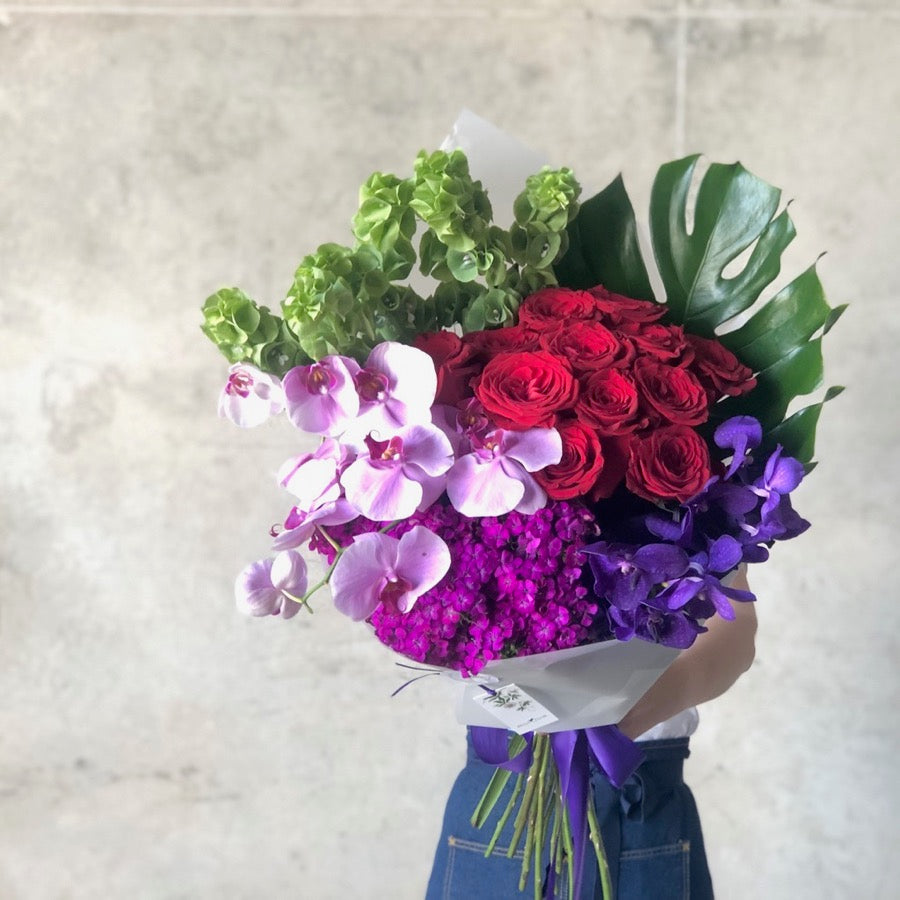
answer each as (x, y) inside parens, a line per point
(608, 401)
(487, 344)
(718, 369)
(614, 309)
(554, 304)
(582, 461)
(671, 392)
(586, 345)
(526, 390)
(666, 342)
(671, 463)
(453, 362)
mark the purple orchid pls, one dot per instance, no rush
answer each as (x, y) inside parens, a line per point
(269, 587)
(321, 398)
(626, 573)
(396, 388)
(378, 569)
(703, 583)
(495, 478)
(397, 476)
(738, 434)
(250, 396)
(672, 629)
(781, 476)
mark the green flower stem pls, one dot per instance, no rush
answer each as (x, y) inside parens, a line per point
(525, 808)
(567, 841)
(330, 539)
(599, 851)
(540, 828)
(505, 817)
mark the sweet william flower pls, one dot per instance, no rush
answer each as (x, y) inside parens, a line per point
(321, 398)
(250, 396)
(267, 587)
(378, 569)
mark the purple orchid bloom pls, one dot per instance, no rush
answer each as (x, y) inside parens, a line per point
(495, 478)
(378, 569)
(671, 629)
(738, 434)
(781, 476)
(322, 398)
(314, 478)
(703, 582)
(396, 388)
(250, 396)
(626, 573)
(269, 587)
(396, 477)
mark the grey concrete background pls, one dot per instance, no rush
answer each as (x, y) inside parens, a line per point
(153, 743)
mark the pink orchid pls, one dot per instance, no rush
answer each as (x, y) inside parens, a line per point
(377, 569)
(322, 398)
(494, 479)
(268, 587)
(313, 478)
(396, 477)
(300, 523)
(250, 396)
(396, 388)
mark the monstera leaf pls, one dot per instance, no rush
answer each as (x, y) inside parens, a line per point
(603, 246)
(735, 214)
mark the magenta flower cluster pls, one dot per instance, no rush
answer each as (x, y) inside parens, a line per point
(514, 586)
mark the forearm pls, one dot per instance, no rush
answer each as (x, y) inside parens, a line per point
(704, 671)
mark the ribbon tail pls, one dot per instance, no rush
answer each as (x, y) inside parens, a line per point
(573, 763)
(616, 754)
(492, 747)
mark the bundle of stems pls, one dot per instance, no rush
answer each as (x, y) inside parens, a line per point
(541, 817)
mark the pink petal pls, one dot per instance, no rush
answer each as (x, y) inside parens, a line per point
(483, 489)
(329, 413)
(534, 498)
(310, 480)
(361, 573)
(428, 448)
(411, 374)
(422, 560)
(534, 448)
(381, 493)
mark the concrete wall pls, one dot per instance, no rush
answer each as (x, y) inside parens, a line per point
(153, 743)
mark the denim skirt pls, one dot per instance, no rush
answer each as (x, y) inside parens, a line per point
(650, 829)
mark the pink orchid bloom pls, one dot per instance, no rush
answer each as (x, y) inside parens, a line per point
(314, 478)
(396, 388)
(250, 396)
(322, 398)
(377, 569)
(494, 479)
(266, 587)
(396, 477)
(300, 524)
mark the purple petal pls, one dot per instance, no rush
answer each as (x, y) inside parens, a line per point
(663, 561)
(783, 473)
(724, 554)
(361, 574)
(739, 434)
(427, 448)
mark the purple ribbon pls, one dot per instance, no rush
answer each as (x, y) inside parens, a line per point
(573, 751)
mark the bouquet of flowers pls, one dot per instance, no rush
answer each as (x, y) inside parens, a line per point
(536, 458)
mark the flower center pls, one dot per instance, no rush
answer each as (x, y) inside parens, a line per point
(319, 380)
(239, 383)
(384, 451)
(371, 386)
(393, 590)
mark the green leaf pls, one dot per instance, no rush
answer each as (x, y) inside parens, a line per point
(798, 431)
(735, 213)
(603, 246)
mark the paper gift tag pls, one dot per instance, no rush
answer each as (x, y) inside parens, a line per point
(515, 709)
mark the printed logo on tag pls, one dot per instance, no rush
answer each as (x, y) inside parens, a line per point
(515, 709)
